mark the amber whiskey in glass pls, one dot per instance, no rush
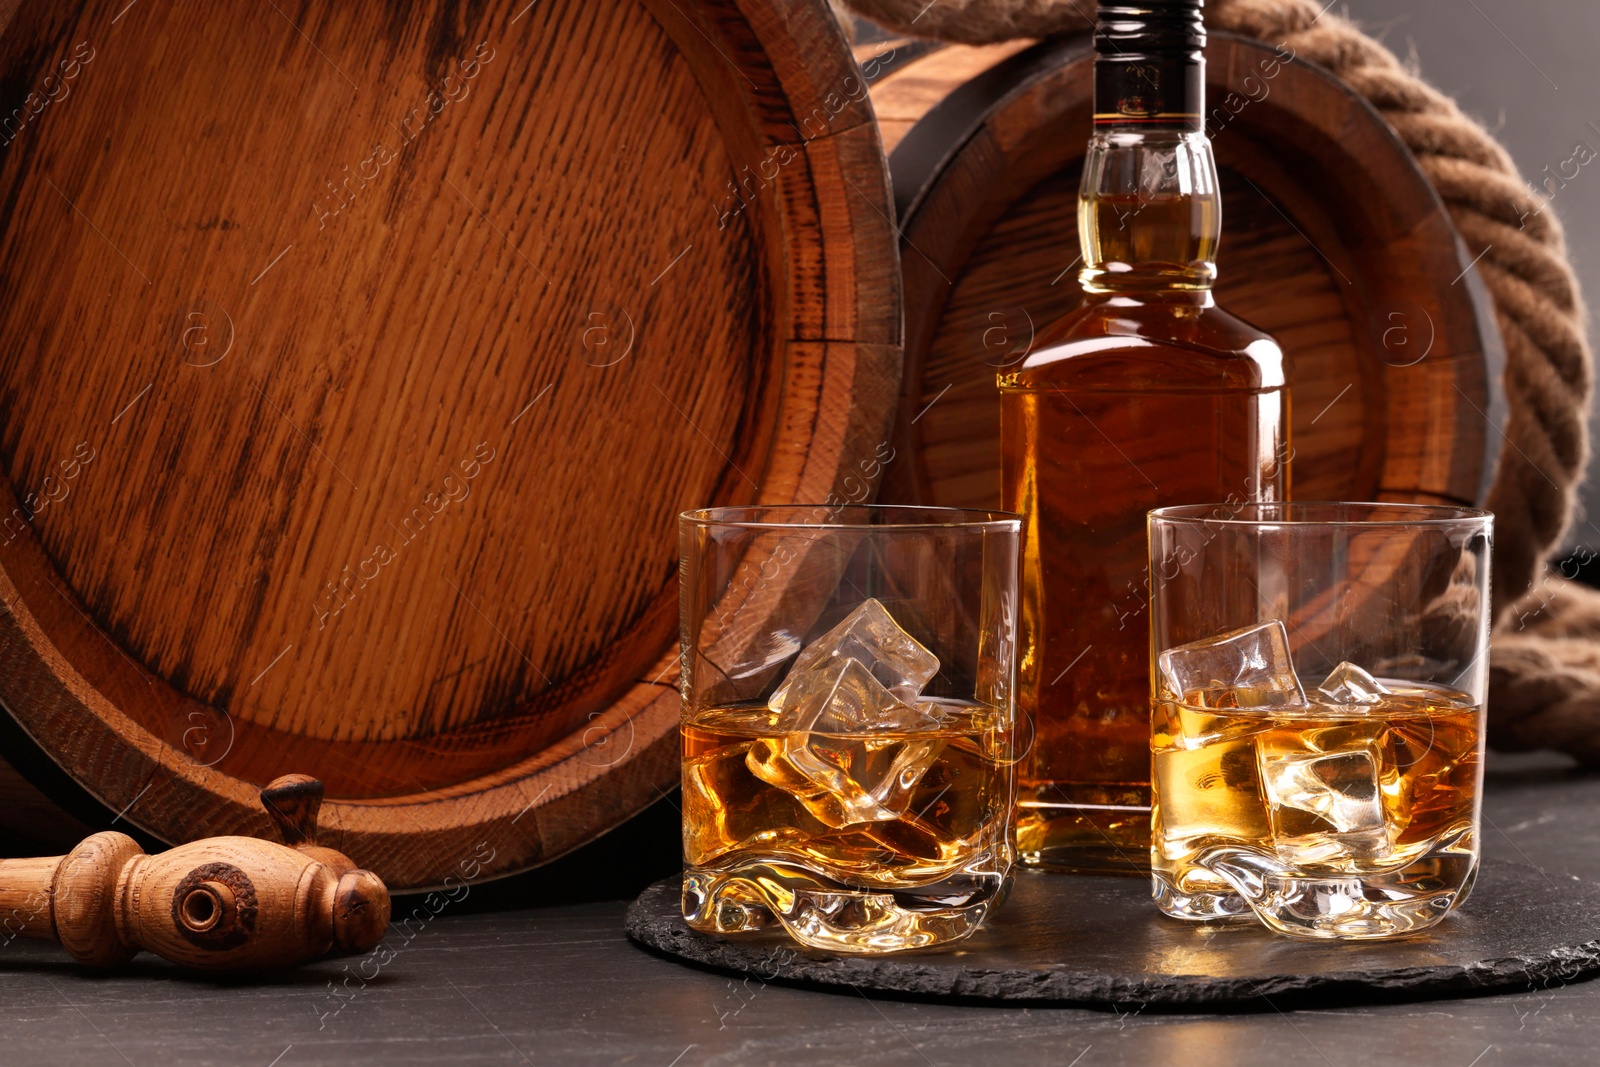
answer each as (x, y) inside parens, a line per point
(1147, 395)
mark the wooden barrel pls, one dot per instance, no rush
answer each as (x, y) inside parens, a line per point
(355, 361)
(1333, 241)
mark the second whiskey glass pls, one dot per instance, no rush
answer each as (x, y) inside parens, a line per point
(1319, 673)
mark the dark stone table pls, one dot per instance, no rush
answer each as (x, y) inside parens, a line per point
(561, 984)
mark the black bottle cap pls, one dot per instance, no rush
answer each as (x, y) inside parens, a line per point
(1151, 27)
(1150, 64)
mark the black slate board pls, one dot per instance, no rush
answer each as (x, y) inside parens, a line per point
(1098, 940)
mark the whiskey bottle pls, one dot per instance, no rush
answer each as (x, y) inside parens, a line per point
(1148, 394)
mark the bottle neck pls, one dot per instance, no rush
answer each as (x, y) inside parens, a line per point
(1149, 214)
(1149, 211)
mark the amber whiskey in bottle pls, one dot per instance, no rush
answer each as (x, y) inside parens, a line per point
(1147, 395)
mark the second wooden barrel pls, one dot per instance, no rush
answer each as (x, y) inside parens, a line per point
(1333, 241)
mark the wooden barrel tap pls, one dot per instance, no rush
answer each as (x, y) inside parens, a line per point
(218, 904)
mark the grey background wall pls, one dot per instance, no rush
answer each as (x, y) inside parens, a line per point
(1529, 70)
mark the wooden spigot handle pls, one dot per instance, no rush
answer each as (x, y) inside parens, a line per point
(222, 903)
(293, 802)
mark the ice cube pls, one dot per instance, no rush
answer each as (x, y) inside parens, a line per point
(843, 696)
(842, 780)
(870, 636)
(849, 752)
(1325, 807)
(849, 711)
(1174, 725)
(1348, 685)
(1248, 668)
(1208, 793)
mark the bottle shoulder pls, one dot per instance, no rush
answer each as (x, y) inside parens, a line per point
(1123, 343)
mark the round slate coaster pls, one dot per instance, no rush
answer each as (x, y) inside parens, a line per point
(1098, 940)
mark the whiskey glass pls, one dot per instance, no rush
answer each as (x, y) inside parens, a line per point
(1318, 681)
(848, 722)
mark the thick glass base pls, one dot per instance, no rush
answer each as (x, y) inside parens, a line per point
(1083, 828)
(1198, 900)
(824, 914)
(1335, 904)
